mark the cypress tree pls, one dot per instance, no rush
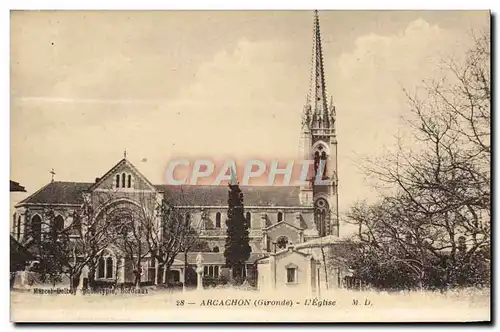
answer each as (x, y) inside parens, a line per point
(237, 247)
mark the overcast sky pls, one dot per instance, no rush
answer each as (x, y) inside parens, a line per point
(87, 85)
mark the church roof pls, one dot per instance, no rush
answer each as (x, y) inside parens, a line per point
(205, 195)
(264, 259)
(15, 186)
(70, 193)
(324, 241)
(58, 192)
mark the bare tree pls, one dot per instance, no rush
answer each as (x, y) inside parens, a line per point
(169, 231)
(131, 234)
(143, 226)
(439, 200)
(67, 245)
(95, 232)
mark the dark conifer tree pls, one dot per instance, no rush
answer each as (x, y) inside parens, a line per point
(237, 247)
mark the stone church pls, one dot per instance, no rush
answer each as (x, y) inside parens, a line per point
(280, 217)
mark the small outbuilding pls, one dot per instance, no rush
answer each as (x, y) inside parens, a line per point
(289, 269)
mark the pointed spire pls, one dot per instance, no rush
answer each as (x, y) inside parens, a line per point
(317, 97)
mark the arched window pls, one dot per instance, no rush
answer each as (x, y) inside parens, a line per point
(211, 271)
(321, 216)
(217, 219)
(77, 223)
(117, 180)
(323, 163)
(129, 181)
(109, 267)
(249, 219)
(188, 218)
(282, 242)
(101, 268)
(291, 273)
(123, 180)
(18, 227)
(59, 223)
(216, 271)
(36, 227)
(57, 226)
(216, 249)
(280, 216)
(205, 270)
(316, 162)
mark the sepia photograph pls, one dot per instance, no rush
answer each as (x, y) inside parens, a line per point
(250, 166)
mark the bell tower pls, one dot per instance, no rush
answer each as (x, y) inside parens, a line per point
(318, 142)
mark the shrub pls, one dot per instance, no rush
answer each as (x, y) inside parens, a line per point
(214, 281)
(237, 281)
